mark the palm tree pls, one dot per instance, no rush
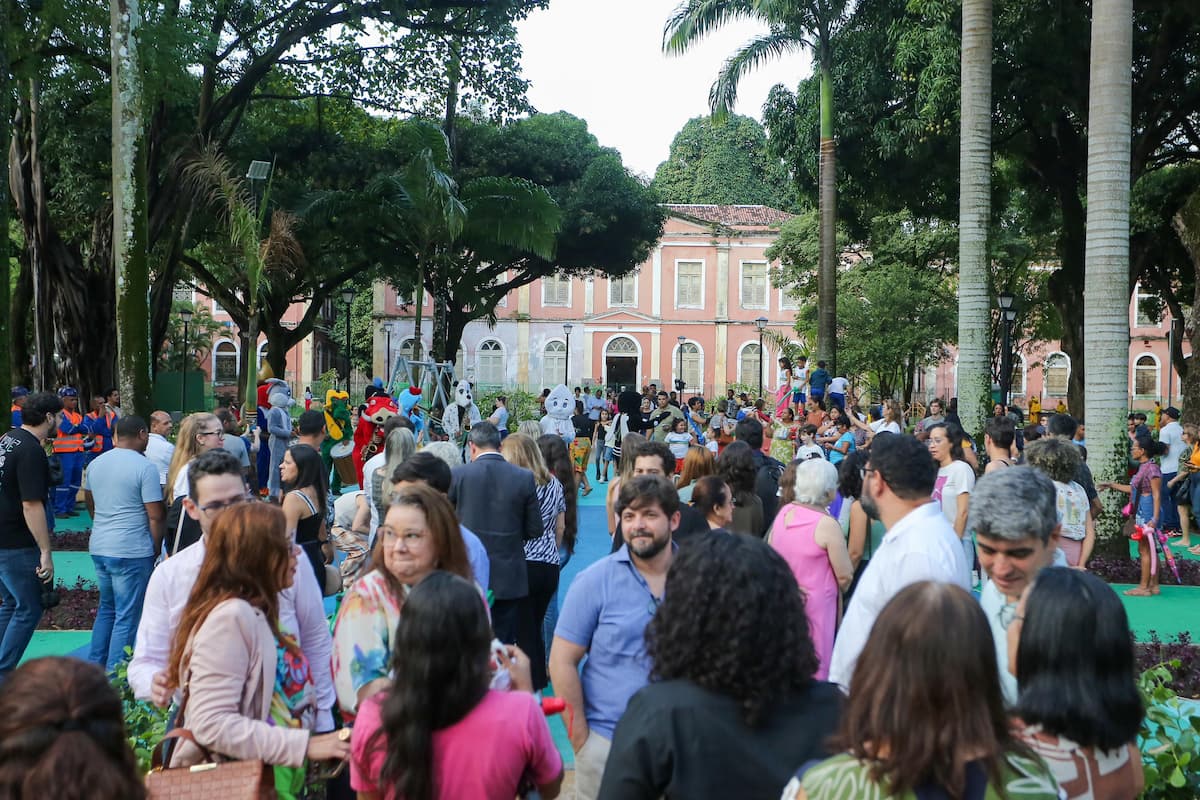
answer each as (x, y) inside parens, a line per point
(974, 211)
(1106, 279)
(791, 24)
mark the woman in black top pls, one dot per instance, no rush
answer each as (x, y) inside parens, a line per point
(732, 706)
(581, 448)
(303, 475)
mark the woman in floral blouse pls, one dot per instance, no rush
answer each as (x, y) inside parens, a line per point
(420, 534)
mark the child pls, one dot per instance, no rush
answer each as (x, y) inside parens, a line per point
(604, 453)
(679, 440)
(808, 445)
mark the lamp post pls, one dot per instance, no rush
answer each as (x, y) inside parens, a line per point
(567, 360)
(387, 330)
(185, 314)
(1008, 314)
(680, 383)
(761, 324)
(348, 298)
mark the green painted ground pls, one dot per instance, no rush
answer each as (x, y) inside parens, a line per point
(56, 643)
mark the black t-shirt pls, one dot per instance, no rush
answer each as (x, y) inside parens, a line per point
(584, 426)
(678, 740)
(24, 475)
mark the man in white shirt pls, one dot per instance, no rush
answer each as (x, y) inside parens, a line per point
(159, 451)
(920, 545)
(1014, 513)
(837, 393)
(1171, 435)
(215, 483)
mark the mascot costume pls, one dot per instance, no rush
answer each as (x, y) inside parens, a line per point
(279, 430)
(459, 416)
(368, 436)
(560, 405)
(408, 402)
(337, 434)
(266, 384)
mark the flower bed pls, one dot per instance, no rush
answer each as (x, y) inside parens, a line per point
(76, 609)
(73, 541)
(1128, 570)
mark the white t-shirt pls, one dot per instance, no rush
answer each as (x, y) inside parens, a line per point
(678, 442)
(879, 426)
(799, 378)
(807, 452)
(920, 547)
(1073, 508)
(952, 480)
(1172, 436)
(838, 385)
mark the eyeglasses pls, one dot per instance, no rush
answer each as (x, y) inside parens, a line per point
(212, 508)
(862, 472)
(220, 434)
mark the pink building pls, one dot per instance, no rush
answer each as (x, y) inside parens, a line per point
(692, 306)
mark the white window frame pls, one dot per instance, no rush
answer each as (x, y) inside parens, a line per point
(740, 352)
(703, 278)
(216, 307)
(503, 354)
(1138, 294)
(1019, 390)
(552, 378)
(261, 354)
(766, 304)
(633, 276)
(1157, 375)
(786, 302)
(503, 278)
(570, 290)
(237, 359)
(697, 388)
(1046, 373)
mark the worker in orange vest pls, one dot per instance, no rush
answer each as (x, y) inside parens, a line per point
(68, 446)
(101, 421)
(19, 393)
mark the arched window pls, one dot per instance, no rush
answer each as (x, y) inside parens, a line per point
(1146, 376)
(750, 364)
(1018, 376)
(692, 358)
(554, 363)
(621, 346)
(1057, 370)
(225, 363)
(490, 364)
(406, 347)
(261, 356)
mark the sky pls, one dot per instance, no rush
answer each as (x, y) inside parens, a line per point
(602, 61)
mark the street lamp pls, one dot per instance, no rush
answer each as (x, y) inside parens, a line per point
(348, 298)
(387, 330)
(567, 360)
(761, 324)
(185, 314)
(680, 383)
(1008, 314)
(258, 171)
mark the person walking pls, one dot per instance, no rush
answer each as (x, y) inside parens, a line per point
(233, 441)
(1145, 490)
(123, 496)
(68, 446)
(303, 481)
(25, 559)
(955, 480)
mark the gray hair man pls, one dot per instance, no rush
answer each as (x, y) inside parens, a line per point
(1014, 514)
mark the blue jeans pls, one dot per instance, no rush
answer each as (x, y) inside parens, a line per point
(550, 622)
(1170, 511)
(20, 604)
(122, 583)
(65, 494)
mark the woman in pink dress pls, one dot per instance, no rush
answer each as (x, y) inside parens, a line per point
(812, 544)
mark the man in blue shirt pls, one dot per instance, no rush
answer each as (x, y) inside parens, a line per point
(123, 495)
(604, 617)
(818, 381)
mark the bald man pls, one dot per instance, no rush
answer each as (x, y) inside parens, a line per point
(159, 451)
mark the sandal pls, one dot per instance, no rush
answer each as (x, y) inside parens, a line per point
(1137, 591)
(587, 491)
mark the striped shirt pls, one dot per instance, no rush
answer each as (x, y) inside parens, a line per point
(551, 502)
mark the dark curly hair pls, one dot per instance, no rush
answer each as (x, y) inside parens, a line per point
(736, 465)
(709, 628)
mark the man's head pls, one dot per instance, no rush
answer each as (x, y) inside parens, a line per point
(663, 399)
(901, 470)
(311, 427)
(674, 396)
(1000, 431)
(1062, 426)
(227, 419)
(112, 397)
(648, 507)
(131, 433)
(96, 406)
(1015, 518)
(423, 467)
(160, 423)
(214, 483)
(751, 432)
(70, 398)
(578, 391)
(41, 412)
(696, 403)
(19, 395)
(801, 360)
(936, 407)
(483, 438)
(820, 365)
(654, 458)
(1172, 413)
(729, 394)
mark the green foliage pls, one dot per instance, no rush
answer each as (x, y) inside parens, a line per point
(362, 329)
(723, 162)
(1169, 739)
(202, 330)
(145, 723)
(798, 250)
(522, 405)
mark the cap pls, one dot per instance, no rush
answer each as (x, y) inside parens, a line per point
(1172, 412)
(19, 391)
(68, 391)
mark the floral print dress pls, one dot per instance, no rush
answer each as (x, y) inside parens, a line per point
(293, 705)
(362, 635)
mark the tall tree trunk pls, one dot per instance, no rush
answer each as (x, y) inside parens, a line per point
(1187, 226)
(249, 382)
(974, 214)
(5, 276)
(129, 239)
(827, 270)
(1106, 282)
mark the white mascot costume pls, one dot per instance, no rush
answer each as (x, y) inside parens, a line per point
(460, 415)
(560, 405)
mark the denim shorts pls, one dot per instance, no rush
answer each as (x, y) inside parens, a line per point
(606, 454)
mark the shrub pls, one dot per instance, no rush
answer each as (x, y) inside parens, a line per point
(145, 723)
(72, 541)
(1181, 652)
(522, 405)
(1169, 739)
(1122, 569)
(76, 609)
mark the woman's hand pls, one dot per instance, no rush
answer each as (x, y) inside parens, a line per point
(516, 662)
(329, 746)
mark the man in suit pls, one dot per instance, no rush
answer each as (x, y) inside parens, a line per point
(498, 501)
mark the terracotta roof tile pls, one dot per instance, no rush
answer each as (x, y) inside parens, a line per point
(734, 216)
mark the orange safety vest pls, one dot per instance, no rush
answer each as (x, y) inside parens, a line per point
(70, 442)
(98, 443)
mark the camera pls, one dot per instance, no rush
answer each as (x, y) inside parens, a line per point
(50, 597)
(680, 385)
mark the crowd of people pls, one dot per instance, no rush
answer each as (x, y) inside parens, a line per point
(802, 600)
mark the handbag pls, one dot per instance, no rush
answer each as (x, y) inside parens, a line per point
(1182, 492)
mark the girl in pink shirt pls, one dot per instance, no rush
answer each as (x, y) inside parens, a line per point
(439, 732)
